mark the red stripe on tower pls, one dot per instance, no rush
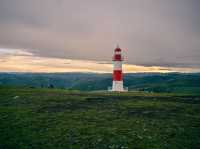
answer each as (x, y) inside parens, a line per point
(117, 75)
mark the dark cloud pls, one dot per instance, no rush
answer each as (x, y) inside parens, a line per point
(154, 32)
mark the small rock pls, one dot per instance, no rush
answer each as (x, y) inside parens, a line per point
(15, 97)
(145, 129)
(140, 137)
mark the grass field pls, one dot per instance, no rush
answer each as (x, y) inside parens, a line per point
(54, 119)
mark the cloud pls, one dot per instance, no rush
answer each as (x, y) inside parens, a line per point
(153, 32)
(15, 60)
(14, 52)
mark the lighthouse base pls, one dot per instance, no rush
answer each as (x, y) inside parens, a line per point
(118, 87)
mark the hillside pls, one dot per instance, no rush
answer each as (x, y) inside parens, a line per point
(55, 118)
(149, 82)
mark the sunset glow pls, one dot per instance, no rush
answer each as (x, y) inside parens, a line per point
(15, 60)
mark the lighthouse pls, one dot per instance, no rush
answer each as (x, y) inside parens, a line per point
(117, 84)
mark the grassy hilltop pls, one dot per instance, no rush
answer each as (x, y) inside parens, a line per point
(55, 118)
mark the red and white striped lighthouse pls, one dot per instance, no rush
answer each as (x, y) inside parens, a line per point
(117, 71)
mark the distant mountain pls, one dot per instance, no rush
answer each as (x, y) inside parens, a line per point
(150, 82)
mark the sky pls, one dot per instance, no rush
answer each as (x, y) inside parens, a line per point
(77, 35)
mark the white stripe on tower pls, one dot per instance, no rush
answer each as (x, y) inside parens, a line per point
(117, 65)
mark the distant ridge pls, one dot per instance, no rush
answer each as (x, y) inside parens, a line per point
(150, 82)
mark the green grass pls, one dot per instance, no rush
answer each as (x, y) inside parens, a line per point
(45, 118)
